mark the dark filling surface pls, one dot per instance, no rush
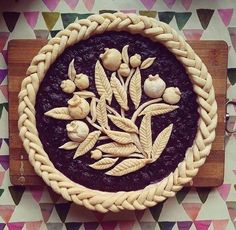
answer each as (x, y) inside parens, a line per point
(53, 133)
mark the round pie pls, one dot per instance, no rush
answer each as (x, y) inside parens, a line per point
(117, 112)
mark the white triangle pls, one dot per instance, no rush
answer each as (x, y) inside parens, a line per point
(79, 214)
(23, 211)
(40, 25)
(2, 97)
(58, 25)
(213, 202)
(192, 197)
(136, 226)
(124, 215)
(147, 216)
(5, 81)
(172, 211)
(231, 56)
(54, 218)
(232, 194)
(3, 64)
(4, 149)
(6, 198)
(4, 124)
(45, 197)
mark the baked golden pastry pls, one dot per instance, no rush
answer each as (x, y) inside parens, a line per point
(117, 112)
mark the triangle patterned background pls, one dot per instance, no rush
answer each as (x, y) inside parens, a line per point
(39, 207)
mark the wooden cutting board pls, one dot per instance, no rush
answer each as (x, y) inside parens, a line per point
(20, 53)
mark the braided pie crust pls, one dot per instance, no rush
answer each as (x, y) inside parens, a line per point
(151, 194)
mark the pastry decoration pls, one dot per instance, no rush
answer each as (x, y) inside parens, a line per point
(154, 86)
(130, 140)
(172, 95)
(68, 86)
(77, 131)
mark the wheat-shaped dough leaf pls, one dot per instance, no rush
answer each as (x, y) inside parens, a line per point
(135, 89)
(161, 142)
(119, 137)
(119, 150)
(71, 70)
(61, 113)
(124, 124)
(87, 144)
(69, 145)
(93, 109)
(102, 83)
(85, 94)
(104, 163)
(145, 133)
(125, 55)
(119, 92)
(102, 112)
(147, 63)
(127, 166)
(158, 109)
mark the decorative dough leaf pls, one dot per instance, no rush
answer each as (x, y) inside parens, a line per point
(61, 113)
(125, 55)
(71, 70)
(119, 92)
(69, 145)
(124, 124)
(127, 166)
(145, 133)
(93, 109)
(119, 150)
(87, 144)
(102, 112)
(161, 142)
(119, 137)
(102, 83)
(104, 163)
(147, 63)
(135, 89)
(85, 94)
(158, 108)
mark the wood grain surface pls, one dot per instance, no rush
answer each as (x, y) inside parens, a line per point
(20, 53)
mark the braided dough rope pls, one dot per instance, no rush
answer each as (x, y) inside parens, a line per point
(152, 194)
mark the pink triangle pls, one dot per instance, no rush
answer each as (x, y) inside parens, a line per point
(89, 4)
(232, 209)
(4, 54)
(234, 171)
(126, 225)
(110, 225)
(202, 224)
(139, 214)
(148, 3)
(192, 209)
(186, 4)
(3, 39)
(31, 18)
(6, 212)
(34, 225)
(169, 3)
(37, 192)
(46, 209)
(232, 33)
(72, 3)
(15, 225)
(3, 89)
(225, 15)
(193, 34)
(1, 177)
(220, 224)
(224, 190)
(51, 4)
(99, 216)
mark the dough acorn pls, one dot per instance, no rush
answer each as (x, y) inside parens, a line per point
(154, 86)
(172, 95)
(68, 86)
(78, 107)
(77, 131)
(111, 59)
(96, 154)
(135, 60)
(124, 70)
(82, 81)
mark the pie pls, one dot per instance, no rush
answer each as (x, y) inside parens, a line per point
(117, 112)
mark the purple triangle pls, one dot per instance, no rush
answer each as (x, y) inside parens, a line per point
(2, 226)
(1, 142)
(51, 4)
(6, 141)
(4, 161)
(5, 55)
(31, 18)
(184, 225)
(169, 3)
(72, 3)
(232, 33)
(90, 225)
(110, 225)
(3, 74)
(37, 192)
(186, 4)
(148, 3)
(15, 225)
(226, 15)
